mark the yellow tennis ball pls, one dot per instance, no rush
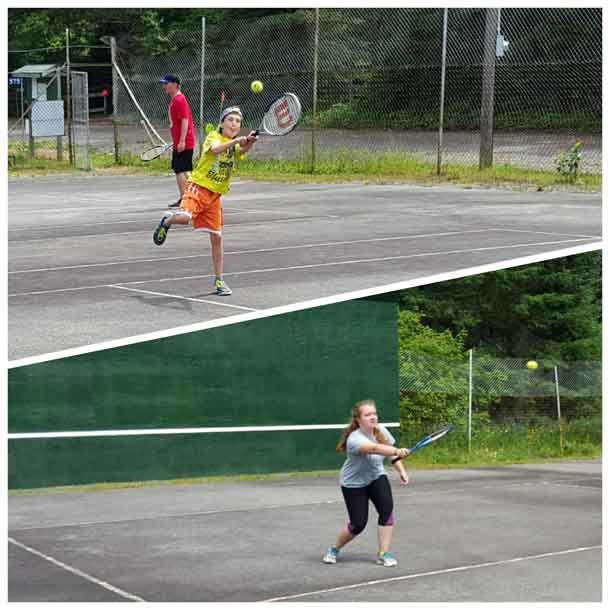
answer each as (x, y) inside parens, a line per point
(256, 86)
(532, 365)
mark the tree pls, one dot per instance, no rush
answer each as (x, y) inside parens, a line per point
(546, 310)
(432, 376)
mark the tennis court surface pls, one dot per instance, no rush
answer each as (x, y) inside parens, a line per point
(528, 533)
(82, 264)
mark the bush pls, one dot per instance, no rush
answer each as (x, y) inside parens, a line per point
(339, 116)
(568, 162)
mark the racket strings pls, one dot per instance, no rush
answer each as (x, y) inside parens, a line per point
(153, 153)
(282, 116)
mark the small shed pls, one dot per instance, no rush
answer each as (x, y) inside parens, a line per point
(41, 82)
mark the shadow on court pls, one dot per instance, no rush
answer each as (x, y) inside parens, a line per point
(528, 533)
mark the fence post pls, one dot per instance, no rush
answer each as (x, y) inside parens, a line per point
(115, 98)
(68, 98)
(316, 41)
(558, 409)
(441, 119)
(486, 152)
(31, 138)
(117, 142)
(60, 139)
(201, 121)
(470, 400)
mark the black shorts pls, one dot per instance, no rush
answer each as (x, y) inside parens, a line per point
(357, 503)
(182, 161)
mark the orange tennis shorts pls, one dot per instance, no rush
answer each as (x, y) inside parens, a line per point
(204, 207)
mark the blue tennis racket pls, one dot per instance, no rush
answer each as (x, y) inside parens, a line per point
(431, 438)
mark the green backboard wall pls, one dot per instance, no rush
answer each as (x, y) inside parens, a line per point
(301, 368)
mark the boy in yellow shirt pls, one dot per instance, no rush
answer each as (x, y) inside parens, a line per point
(201, 202)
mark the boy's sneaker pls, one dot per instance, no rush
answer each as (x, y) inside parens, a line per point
(387, 560)
(222, 289)
(160, 234)
(331, 555)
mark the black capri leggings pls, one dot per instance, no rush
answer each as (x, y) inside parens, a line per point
(357, 502)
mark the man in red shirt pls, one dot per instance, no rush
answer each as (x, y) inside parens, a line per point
(182, 130)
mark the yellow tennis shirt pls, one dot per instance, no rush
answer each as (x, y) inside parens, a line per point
(213, 172)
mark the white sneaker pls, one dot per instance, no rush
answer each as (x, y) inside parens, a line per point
(331, 555)
(387, 560)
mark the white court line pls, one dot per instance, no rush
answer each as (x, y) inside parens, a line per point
(204, 513)
(89, 224)
(219, 511)
(355, 262)
(549, 233)
(146, 232)
(76, 571)
(177, 296)
(299, 267)
(341, 297)
(121, 209)
(260, 250)
(474, 566)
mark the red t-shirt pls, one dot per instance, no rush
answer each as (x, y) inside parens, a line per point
(179, 109)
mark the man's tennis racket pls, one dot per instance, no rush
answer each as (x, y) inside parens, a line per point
(281, 117)
(431, 438)
(155, 152)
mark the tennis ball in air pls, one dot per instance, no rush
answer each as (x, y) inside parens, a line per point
(532, 365)
(256, 86)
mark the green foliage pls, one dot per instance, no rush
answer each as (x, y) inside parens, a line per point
(422, 411)
(413, 335)
(568, 162)
(513, 443)
(367, 115)
(146, 29)
(339, 116)
(551, 310)
(548, 310)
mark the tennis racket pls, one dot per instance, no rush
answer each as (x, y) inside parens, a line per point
(431, 438)
(155, 152)
(281, 117)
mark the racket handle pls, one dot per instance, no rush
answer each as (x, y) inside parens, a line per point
(256, 132)
(397, 459)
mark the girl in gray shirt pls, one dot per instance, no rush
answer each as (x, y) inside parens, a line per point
(363, 478)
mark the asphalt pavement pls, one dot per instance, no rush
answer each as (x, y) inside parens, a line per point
(525, 533)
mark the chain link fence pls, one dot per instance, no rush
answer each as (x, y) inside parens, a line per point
(36, 126)
(374, 81)
(38, 85)
(80, 120)
(438, 86)
(500, 400)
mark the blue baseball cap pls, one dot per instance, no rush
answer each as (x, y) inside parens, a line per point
(170, 78)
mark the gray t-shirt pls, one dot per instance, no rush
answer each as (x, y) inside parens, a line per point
(361, 469)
